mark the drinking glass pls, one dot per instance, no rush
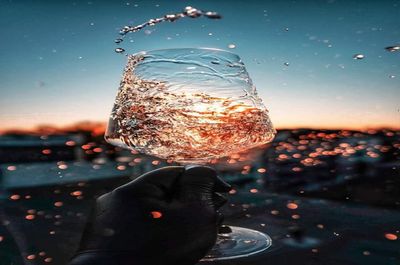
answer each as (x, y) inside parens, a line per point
(190, 106)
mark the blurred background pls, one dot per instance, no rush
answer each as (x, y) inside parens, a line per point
(327, 189)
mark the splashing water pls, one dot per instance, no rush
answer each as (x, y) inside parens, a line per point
(188, 106)
(187, 12)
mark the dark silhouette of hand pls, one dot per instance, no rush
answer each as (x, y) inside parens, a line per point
(167, 216)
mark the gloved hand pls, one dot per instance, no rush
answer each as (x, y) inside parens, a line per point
(167, 216)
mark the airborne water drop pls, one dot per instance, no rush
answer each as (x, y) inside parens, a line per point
(358, 56)
(393, 48)
(212, 15)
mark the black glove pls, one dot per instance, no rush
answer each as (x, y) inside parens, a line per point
(167, 216)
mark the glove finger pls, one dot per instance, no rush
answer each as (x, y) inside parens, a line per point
(156, 183)
(221, 185)
(197, 184)
(219, 200)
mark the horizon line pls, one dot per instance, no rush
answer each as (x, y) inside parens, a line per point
(101, 125)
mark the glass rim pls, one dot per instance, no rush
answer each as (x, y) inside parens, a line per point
(185, 48)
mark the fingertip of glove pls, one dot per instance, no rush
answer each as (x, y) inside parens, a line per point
(206, 172)
(201, 170)
(221, 185)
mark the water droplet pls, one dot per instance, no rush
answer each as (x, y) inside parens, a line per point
(212, 15)
(286, 64)
(152, 22)
(118, 40)
(392, 76)
(231, 46)
(147, 32)
(393, 48)
(119, 50)
(358, 56)
(137, 28)
(143, 89)
(286, 29)
(171, 17)
(124, 30)
(192, 12)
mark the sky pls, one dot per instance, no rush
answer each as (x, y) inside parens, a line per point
(58, 65)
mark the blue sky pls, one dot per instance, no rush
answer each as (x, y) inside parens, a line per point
(57, 64)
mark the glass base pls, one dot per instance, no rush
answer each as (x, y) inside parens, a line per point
(239, 243)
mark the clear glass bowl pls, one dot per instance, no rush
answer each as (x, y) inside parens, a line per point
(188, 105)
